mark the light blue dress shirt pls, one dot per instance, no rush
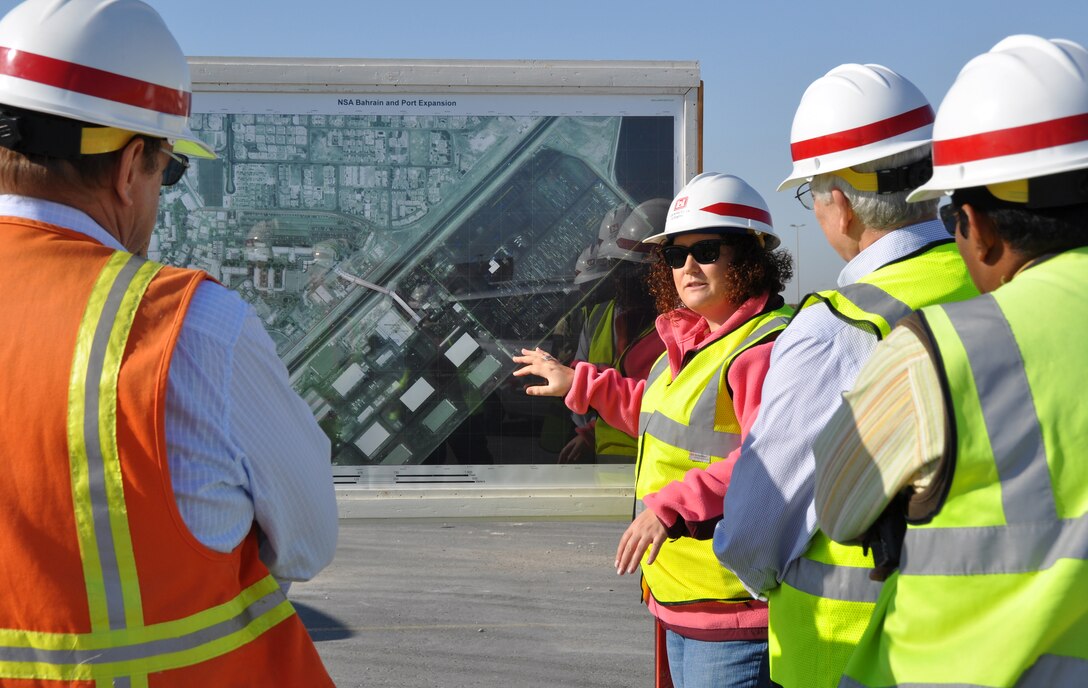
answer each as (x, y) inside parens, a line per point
(241, 445)
(769, 511)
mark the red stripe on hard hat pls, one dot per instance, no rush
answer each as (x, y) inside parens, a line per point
(93, 82)
(863, 135)
(1024, 139)
(632, 245)
(737, 210)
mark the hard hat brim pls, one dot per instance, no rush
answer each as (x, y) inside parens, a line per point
(194, 148)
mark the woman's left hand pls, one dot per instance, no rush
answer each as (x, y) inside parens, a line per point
(645, 532)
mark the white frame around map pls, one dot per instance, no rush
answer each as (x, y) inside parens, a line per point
(457, 88)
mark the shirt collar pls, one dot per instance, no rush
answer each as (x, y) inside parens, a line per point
(58, 214)
(890, 247)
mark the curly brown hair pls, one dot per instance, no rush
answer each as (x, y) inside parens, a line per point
(753, 271)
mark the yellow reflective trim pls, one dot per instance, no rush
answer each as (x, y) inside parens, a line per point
(128, 636)
(77, 449)
(207, 651)
(164, 662)
(862, 181)
(1013, 192)
(107, 428)
(97, 140)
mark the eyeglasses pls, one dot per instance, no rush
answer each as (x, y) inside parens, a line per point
(704, 252)
(950, 215)
(175, 169)
(804, 195)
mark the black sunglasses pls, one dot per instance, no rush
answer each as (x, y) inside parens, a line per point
(175, 169)
(704, 252)
(950, 215)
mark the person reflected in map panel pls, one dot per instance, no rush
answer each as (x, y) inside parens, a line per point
(618, 328)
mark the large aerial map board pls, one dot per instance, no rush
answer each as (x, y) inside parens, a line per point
(399, 249)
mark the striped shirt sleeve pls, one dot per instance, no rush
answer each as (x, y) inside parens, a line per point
(887, 434)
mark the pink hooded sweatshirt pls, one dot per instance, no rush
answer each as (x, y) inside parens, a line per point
(692, 506)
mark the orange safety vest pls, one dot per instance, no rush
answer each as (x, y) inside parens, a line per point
(102, 582)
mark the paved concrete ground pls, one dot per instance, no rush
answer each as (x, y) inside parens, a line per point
(476, 603)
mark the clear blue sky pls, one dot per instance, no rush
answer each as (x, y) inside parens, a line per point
(756, 57)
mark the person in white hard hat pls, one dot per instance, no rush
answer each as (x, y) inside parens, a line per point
(618, 330)
(860, 143)
(160, 472)
(964, 435)
(717, 287)
(588, 268)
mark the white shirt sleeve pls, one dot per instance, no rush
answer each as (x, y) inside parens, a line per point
(769, 511)
(242, 446)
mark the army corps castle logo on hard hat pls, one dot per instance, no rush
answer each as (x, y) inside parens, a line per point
(721, 203)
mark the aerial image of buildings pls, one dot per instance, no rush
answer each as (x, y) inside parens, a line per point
(398, 261)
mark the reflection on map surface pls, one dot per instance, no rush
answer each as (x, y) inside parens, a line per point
(399, 261)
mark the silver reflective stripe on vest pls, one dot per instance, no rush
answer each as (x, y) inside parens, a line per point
(705, 410)
(766, 329)
(1014, 548)
(1049, 671)
(1055, 671)
(828, 581)
(1008, 409)
(657, 371)
(700, 439)
(151, 648)
(873, 299)
(847, 682)
(96, 463)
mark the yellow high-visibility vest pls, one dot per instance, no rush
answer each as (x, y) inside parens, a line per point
(825, 600)
(991, 590)
(689, 422)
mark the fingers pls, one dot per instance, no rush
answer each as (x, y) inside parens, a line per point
(654, 549)
(542, 364)
(646, 532)
(566, 454)
(632, 546)
(621, 549)
(534, 360)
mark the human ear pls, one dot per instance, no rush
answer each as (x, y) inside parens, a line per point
(126, 171)
(981, 236)
(845, 212)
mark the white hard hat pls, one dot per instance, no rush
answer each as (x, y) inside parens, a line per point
(106, 62)
(714, 202)
(856, 114)
(589, 267)
(626, 241)
(1017, 112)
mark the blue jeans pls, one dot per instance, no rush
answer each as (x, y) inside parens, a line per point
(730, 664)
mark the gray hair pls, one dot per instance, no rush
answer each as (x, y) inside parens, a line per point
(879, 211)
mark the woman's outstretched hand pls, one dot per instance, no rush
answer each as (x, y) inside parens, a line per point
(542, 364)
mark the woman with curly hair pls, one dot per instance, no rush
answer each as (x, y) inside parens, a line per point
(717, 287)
